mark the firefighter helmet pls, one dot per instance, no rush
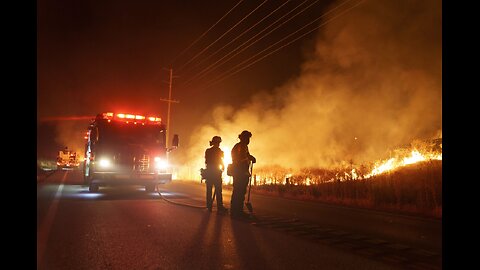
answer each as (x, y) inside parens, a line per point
(216, 139)
(245, 134)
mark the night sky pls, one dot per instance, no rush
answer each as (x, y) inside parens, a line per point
(365, 69)
(115, 55)
(96, 56)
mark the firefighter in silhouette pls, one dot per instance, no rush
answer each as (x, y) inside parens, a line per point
(214, 169)
(241, 159)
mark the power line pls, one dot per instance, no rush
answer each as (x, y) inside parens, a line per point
(198, 54)
(212, 66)
(211, 27)
(244, 32)
(225, 75)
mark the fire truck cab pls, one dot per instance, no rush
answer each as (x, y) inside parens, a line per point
(126, 149)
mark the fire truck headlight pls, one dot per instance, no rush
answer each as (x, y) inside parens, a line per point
(104, 163)
(160, 163)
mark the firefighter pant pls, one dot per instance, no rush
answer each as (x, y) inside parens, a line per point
(240, 184)
(217, 183)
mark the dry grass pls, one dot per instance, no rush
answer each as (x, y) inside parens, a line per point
(415, 189)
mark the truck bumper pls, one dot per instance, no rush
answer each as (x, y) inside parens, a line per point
(107, 178)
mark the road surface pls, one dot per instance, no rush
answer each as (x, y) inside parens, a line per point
(128, 228)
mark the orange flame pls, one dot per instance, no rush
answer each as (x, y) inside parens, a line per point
(396, 162)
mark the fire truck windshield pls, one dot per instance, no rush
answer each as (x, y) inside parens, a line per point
(122, 133)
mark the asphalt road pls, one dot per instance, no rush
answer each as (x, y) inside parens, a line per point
(128, 228)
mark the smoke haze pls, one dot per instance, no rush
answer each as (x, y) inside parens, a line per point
(373, 82)
(71, 134)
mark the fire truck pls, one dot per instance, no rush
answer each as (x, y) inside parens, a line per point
(129, 149)
(67, 159)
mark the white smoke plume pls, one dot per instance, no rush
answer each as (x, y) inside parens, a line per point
(373, 82)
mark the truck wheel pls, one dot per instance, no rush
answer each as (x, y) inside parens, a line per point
(87, 175)
(93, 188)
(85, 178)
(150, 188)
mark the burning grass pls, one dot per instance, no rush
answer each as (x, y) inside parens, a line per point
(411, 189)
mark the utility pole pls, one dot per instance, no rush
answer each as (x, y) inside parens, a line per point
(170, 101)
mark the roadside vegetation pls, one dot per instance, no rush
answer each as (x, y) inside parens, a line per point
(46, 165)
(414, 189)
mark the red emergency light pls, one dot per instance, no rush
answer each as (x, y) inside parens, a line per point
(131, 118)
